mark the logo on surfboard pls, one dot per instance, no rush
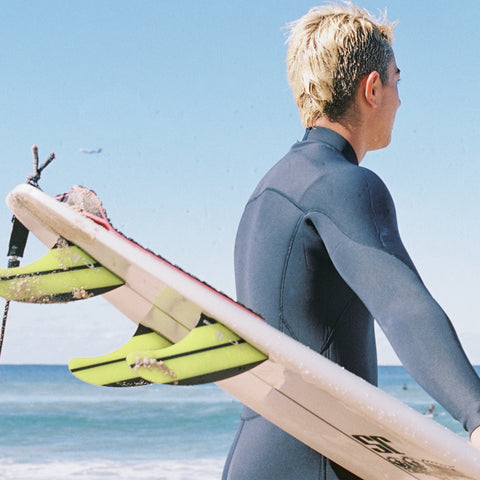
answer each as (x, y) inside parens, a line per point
(386, 450)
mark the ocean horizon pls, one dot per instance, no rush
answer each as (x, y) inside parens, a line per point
(55, 427)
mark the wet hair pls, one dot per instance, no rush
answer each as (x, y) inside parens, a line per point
(330, 50)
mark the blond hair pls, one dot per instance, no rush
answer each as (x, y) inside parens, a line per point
(330, 49)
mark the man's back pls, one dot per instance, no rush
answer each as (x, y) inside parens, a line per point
(283, 269)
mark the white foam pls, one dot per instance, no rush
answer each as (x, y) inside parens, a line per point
(201, 469)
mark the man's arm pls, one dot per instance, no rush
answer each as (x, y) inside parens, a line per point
(364, 245)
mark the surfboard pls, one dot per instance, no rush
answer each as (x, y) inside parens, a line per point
(336, 413)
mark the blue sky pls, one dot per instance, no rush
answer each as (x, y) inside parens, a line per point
(190, 104)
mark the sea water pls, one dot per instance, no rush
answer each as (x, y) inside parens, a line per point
(52, 426)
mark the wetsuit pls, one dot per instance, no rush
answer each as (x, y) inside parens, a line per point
(319, 256)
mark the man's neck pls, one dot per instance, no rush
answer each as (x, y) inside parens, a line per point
(352, 132)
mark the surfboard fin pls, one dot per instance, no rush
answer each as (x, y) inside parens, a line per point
(64, 274)
(111, 370)
(209, 353)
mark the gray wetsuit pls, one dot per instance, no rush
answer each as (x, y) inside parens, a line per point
(319, 256)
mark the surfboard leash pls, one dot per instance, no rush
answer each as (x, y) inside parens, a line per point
(19, 234)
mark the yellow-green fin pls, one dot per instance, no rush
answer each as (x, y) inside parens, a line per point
(210, 352)
(111, 370)
(64, 274)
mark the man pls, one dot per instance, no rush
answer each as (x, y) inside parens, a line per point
(318, 253)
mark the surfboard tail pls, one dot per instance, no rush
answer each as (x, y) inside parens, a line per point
(206, 351)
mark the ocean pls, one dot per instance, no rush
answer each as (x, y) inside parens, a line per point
(52, 426)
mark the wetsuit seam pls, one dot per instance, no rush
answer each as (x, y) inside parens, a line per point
(330, 337)
(323, 468)
(283, 322)
(372, 210)
(231, 453)
(278, 192)
(387, 250)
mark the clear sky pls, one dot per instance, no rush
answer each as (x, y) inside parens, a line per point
(190, 104)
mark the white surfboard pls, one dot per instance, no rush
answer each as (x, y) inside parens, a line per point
(336, 413)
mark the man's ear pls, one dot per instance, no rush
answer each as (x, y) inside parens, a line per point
(370, 89)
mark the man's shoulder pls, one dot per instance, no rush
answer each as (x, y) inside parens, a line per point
(346, 193)
(348, 179)
(309, 174)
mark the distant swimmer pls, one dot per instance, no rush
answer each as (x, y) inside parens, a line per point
(429, 412)
(90, 150)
